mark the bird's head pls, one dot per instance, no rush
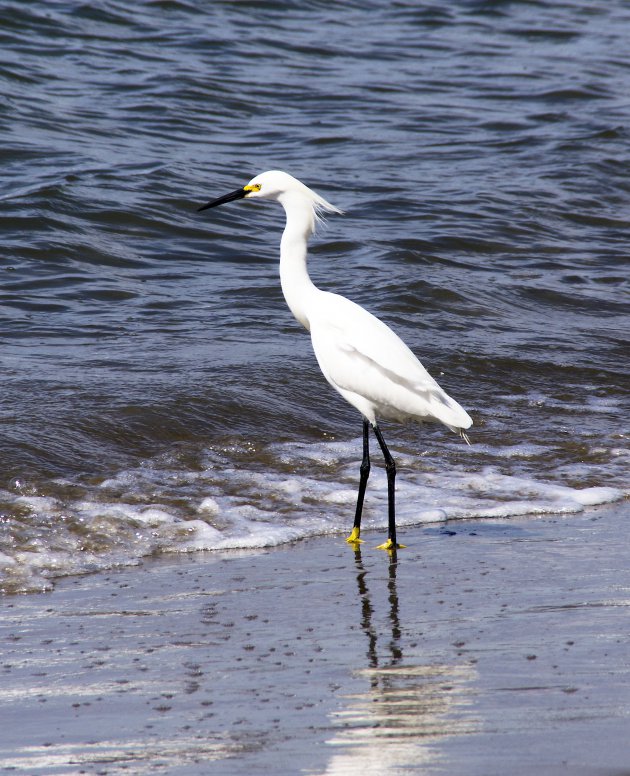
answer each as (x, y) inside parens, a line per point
(278, 185)
(273, 184)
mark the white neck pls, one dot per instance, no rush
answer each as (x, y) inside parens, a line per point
(297, 286)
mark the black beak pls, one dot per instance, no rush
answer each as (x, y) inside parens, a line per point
(238, 194)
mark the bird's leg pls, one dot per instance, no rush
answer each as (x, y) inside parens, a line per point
(363, 478)
(390, 468)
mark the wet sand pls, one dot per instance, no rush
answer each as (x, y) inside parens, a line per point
(486, 647)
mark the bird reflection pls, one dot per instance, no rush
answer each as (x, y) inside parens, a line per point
(367, 610)
(395, 723)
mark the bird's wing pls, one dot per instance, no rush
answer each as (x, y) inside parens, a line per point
(361, 355)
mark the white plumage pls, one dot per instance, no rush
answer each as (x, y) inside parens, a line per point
(373, 369)
(359, 355)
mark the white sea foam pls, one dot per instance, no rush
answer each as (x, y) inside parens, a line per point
(235, 503)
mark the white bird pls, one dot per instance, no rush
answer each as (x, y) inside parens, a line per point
(360, 356)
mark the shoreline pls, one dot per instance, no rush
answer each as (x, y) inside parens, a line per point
(488, 647)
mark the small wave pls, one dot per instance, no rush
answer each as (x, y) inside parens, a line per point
(222, 500)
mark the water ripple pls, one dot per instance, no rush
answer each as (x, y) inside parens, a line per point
(478, 150)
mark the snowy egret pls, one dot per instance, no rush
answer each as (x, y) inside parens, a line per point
(360, 356)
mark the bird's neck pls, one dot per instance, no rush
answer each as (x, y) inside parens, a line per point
(297, 286)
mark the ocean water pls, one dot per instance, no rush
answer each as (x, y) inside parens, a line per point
(157, 395)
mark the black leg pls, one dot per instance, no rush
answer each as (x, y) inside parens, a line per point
(390, 468)
(364, 474)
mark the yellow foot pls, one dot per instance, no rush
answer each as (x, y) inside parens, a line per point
(354, 537)
(389, 545)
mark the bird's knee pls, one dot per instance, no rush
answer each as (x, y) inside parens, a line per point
(365, 468)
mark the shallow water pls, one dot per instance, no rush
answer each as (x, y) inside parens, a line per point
(157, 394)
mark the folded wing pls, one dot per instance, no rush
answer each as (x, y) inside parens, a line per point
(373, 369)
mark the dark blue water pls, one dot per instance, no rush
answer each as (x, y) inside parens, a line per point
(156, 392)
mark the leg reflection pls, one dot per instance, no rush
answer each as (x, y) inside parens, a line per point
(366, 609)
(394, 644)
(367, 612)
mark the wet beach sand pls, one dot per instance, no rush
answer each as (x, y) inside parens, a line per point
(485, 647)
